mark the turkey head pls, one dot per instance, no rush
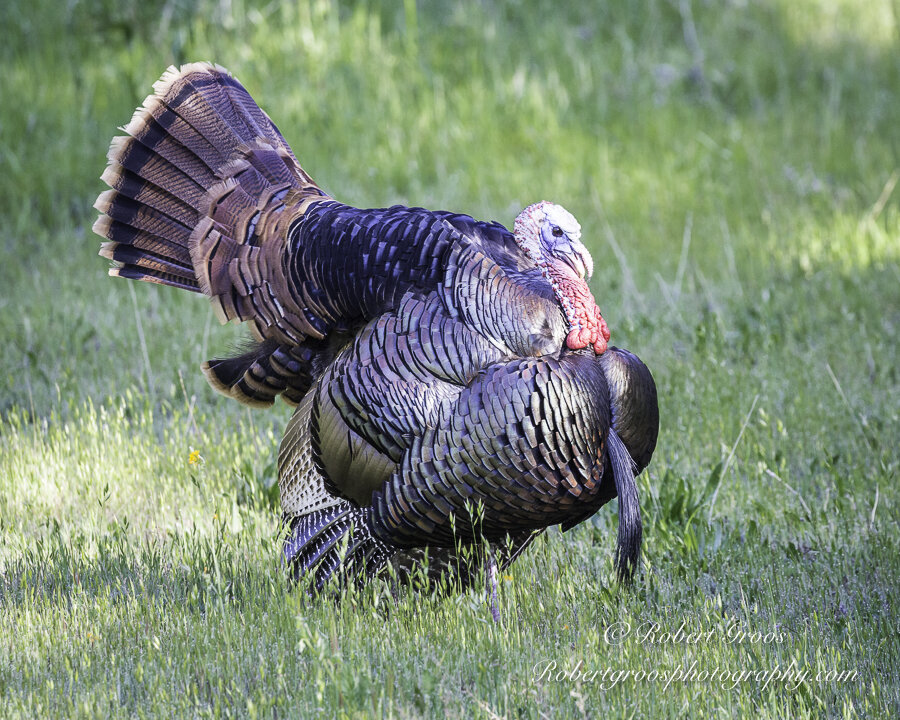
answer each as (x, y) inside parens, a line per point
(551, 236)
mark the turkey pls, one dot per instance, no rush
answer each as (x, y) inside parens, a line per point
(409, 439)
(439, 364)
(207, 196)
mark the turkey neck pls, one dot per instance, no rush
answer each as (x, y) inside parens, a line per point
(587, 328)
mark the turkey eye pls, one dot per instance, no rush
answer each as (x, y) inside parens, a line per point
(557, 232)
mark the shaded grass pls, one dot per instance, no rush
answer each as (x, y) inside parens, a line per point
(733, 168)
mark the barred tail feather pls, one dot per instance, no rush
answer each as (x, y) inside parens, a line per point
(200, 147)
(203, 189)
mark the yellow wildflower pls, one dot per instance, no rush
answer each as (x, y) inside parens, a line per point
(194, 458)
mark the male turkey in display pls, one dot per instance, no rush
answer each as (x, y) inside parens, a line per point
(440, 364)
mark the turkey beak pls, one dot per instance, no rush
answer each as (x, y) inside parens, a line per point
(577, 264)
(576, 261)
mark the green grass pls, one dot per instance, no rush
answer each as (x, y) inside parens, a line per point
(733, 166)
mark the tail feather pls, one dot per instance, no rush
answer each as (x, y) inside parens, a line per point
(192, 94)
(140, 217)
(227, 97)
(127, 235)
(154, 120)
(141, 190)
(145, 259)
(204, 188)
(143, 242)
(273, 163)
(260, 374)
(133, 272)
(148, 139)
(219, 109)
(255, 116)
(230, 204)
(154, 168)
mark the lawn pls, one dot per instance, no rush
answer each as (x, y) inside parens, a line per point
(734, 167)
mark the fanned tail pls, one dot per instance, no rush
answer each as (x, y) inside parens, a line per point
(203, 190)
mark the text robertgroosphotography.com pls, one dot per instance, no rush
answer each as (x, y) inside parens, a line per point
(653, 635)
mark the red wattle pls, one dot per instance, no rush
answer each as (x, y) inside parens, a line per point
(586, 325)
(577, 339)
(604, 329)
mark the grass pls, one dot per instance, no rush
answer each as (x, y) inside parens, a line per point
(734, 167)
